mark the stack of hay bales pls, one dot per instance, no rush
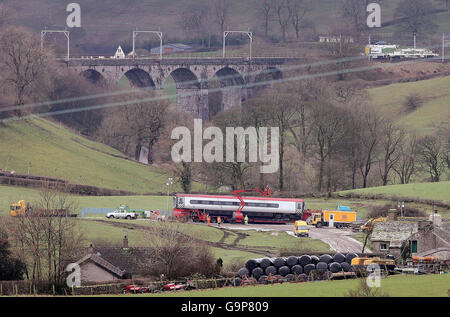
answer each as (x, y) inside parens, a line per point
(294, 267)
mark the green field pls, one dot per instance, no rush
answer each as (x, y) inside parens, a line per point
(47, 149)
(432, 191)
(393, 286)
(424, 120)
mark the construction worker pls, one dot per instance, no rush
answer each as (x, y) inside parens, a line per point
(153, 214)
(246, 219)
(208, 220)
(219, 221)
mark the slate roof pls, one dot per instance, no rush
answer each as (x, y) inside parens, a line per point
(102, 263)
(395, 232)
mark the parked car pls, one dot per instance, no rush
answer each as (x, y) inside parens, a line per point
(121, 214)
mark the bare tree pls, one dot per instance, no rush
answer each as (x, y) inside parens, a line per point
(265, 8)
(299, 10)
(391, 139)
(139, 124)
(197, 20)
(23, 64)
(405, 166)
(432, 156)
(355, 12)
(221, 13)
(46, 242)
(284, 14)
(416, 16)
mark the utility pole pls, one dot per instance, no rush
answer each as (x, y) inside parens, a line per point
(160, 35)
(65, 32)
(169, 182)
(414, 40)
(248, 33)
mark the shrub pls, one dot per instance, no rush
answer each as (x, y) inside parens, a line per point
(413, 102)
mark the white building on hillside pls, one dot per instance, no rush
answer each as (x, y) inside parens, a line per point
(119, 53)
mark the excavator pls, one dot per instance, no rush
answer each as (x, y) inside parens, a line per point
(368, 226)
(23, 208)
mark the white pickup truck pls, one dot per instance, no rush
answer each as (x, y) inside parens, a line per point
(121, 214)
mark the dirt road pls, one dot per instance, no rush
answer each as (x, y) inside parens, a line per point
(338, 240)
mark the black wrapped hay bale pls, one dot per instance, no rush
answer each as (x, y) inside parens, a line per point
(297, 269)
(308, 268)
(290, 277)
(291, 261)
(335, 267)
(349, 257)
(284, 270)
(252, 263)
(262, 279)
(279, 262)
(237, 281)
(243, 272)
(322, 266)
(271, 270)
(339, 258)
(257, 272)
(266, 262)
(304, 260)
(302, 277)
(315, 259)
(345, 266)
(326, 258)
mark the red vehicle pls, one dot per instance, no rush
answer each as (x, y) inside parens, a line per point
(135, 289)
(235, 208)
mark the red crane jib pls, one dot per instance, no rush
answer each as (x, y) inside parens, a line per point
(239, 215)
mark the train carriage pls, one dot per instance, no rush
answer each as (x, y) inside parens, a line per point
(257, 209)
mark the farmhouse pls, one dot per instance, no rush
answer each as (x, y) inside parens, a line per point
(388, 237)
(430, 240)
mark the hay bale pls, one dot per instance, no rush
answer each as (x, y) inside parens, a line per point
(302, 277)
(243, 272)
(284, 270)
(304, 260)
(345, 266)
(279, 262)
(252, 263)
(237, 281)
(326, 258)
(271, 270)
(338, 258)
(308, 268)
(335, 267)
(291, 261)
(322, 266)
(297, 269)
(262, 279)
(349, 257)
(315, 259)
(290, 277)
(266, 262)
(257, 272)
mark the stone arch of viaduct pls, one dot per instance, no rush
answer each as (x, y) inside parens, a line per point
(192, 78)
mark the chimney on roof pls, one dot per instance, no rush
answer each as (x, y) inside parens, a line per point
(91, 248)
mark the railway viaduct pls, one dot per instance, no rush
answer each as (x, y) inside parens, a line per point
(236, 77)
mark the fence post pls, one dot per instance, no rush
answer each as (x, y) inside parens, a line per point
(17, 289)
(1, 289)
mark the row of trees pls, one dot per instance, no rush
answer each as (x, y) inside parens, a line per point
(330, 138)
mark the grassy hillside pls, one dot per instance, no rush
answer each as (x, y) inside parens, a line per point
(50, 150)
(434, 92)
(434, 191)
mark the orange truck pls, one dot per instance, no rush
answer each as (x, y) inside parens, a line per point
(332, 218)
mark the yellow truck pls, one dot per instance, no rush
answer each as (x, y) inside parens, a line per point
(360, 264)
(301, 228)
(332, 218)
(23, 208)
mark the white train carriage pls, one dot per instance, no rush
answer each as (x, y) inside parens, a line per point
(258, 209)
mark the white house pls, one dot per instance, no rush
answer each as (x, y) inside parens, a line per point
(119, 53)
